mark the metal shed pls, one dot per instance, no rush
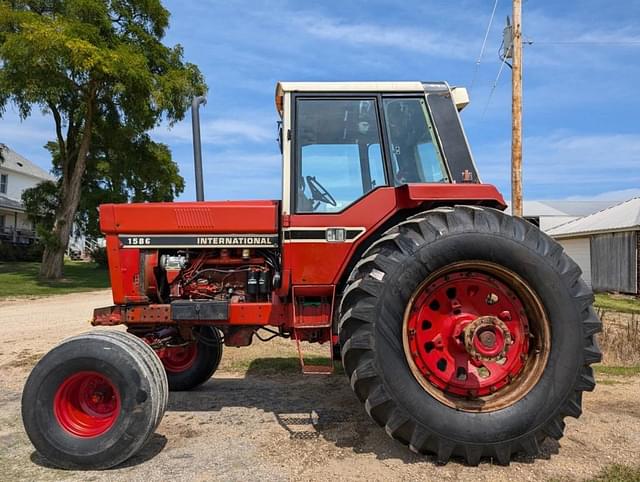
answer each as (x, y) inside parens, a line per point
(605, 245)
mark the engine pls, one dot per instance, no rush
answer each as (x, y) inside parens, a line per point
(225, 274)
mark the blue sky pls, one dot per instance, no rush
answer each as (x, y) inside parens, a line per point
(581, 77)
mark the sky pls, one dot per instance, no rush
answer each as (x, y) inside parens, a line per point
(581, 108)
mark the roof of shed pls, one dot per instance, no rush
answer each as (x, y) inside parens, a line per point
(620, 217)
(562, 207)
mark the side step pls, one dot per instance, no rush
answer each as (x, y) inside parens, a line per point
(315, 369)
(312, 322)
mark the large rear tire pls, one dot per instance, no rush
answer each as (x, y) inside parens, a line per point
(94, 400)
(420, 305)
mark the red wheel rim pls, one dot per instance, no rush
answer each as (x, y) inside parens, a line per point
(468, 336)
(86, 404)
(177, 359)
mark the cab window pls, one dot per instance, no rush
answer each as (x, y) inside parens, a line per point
(339, 155)
(415, 156)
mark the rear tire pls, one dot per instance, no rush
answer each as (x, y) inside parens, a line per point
(376, 305)
(191, 366)
(94, 400)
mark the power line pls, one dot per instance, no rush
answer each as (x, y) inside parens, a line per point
(484, 44)
(495, 84)
(583, 42)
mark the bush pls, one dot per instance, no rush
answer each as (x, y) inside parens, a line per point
(99, 256)
(21, 252)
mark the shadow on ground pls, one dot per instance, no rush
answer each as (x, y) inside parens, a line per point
(308, 407)
(152, 448)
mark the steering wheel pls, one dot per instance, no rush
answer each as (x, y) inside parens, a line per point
(319, 192)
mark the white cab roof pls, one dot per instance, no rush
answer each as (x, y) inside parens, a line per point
(460, 95)
(412, 86)
(404, 86)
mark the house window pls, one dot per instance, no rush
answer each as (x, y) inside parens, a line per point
(3, 183)
(2, 222)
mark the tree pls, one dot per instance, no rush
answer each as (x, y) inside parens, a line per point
(121, 167)
(101, 70)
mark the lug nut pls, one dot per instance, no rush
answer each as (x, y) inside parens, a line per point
(505, 316)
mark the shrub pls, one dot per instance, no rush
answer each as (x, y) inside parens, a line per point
(21, 252)
(99, 256)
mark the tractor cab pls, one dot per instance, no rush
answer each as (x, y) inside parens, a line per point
(340, 141)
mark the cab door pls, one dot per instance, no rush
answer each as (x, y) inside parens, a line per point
(339, 186)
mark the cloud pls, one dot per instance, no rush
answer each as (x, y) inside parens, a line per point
(37, 128)
(433, 42)
(565, 164)
(618, 195)
(219, 132)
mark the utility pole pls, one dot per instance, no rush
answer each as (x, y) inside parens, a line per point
(516, 111)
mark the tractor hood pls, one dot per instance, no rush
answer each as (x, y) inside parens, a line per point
(216, 217)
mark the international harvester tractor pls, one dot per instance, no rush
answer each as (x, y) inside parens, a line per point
(463, 331)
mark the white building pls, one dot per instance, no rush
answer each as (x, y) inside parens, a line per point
(16, 175)
(547, 214)
(605, 245)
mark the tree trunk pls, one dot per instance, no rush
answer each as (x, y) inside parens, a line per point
(53, 256)
(52, 262)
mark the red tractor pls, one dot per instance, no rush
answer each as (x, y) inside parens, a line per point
(463, 331)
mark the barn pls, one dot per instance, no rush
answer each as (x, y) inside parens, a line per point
(605, 244)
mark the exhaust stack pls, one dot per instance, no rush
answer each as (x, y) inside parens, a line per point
(197, 146)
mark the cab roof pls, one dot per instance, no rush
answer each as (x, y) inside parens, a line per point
(400, 86)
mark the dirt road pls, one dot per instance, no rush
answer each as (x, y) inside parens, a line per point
(246, 425)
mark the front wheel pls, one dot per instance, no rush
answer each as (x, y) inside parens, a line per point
(192, 363)
(94, 400)
(468, 332)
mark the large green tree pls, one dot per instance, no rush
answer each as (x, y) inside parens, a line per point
(100, 69)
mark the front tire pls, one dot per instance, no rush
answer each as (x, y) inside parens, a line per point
(94, 400)
(193, 364)
(420, 400)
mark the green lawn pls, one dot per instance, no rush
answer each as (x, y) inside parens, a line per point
(18, 279)
(614, 303)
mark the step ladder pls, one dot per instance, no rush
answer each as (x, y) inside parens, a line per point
(312, 320)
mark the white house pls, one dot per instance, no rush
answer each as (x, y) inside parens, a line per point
(16, 175)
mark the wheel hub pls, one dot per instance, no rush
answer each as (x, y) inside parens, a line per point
(86, 404)
(487, 338)
(178, 359)
(467, 334)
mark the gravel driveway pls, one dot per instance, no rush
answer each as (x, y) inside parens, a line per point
(245, 425)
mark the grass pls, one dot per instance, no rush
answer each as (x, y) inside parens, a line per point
(610, 302)
(618, 371)
(618, 473)
(20, 279)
